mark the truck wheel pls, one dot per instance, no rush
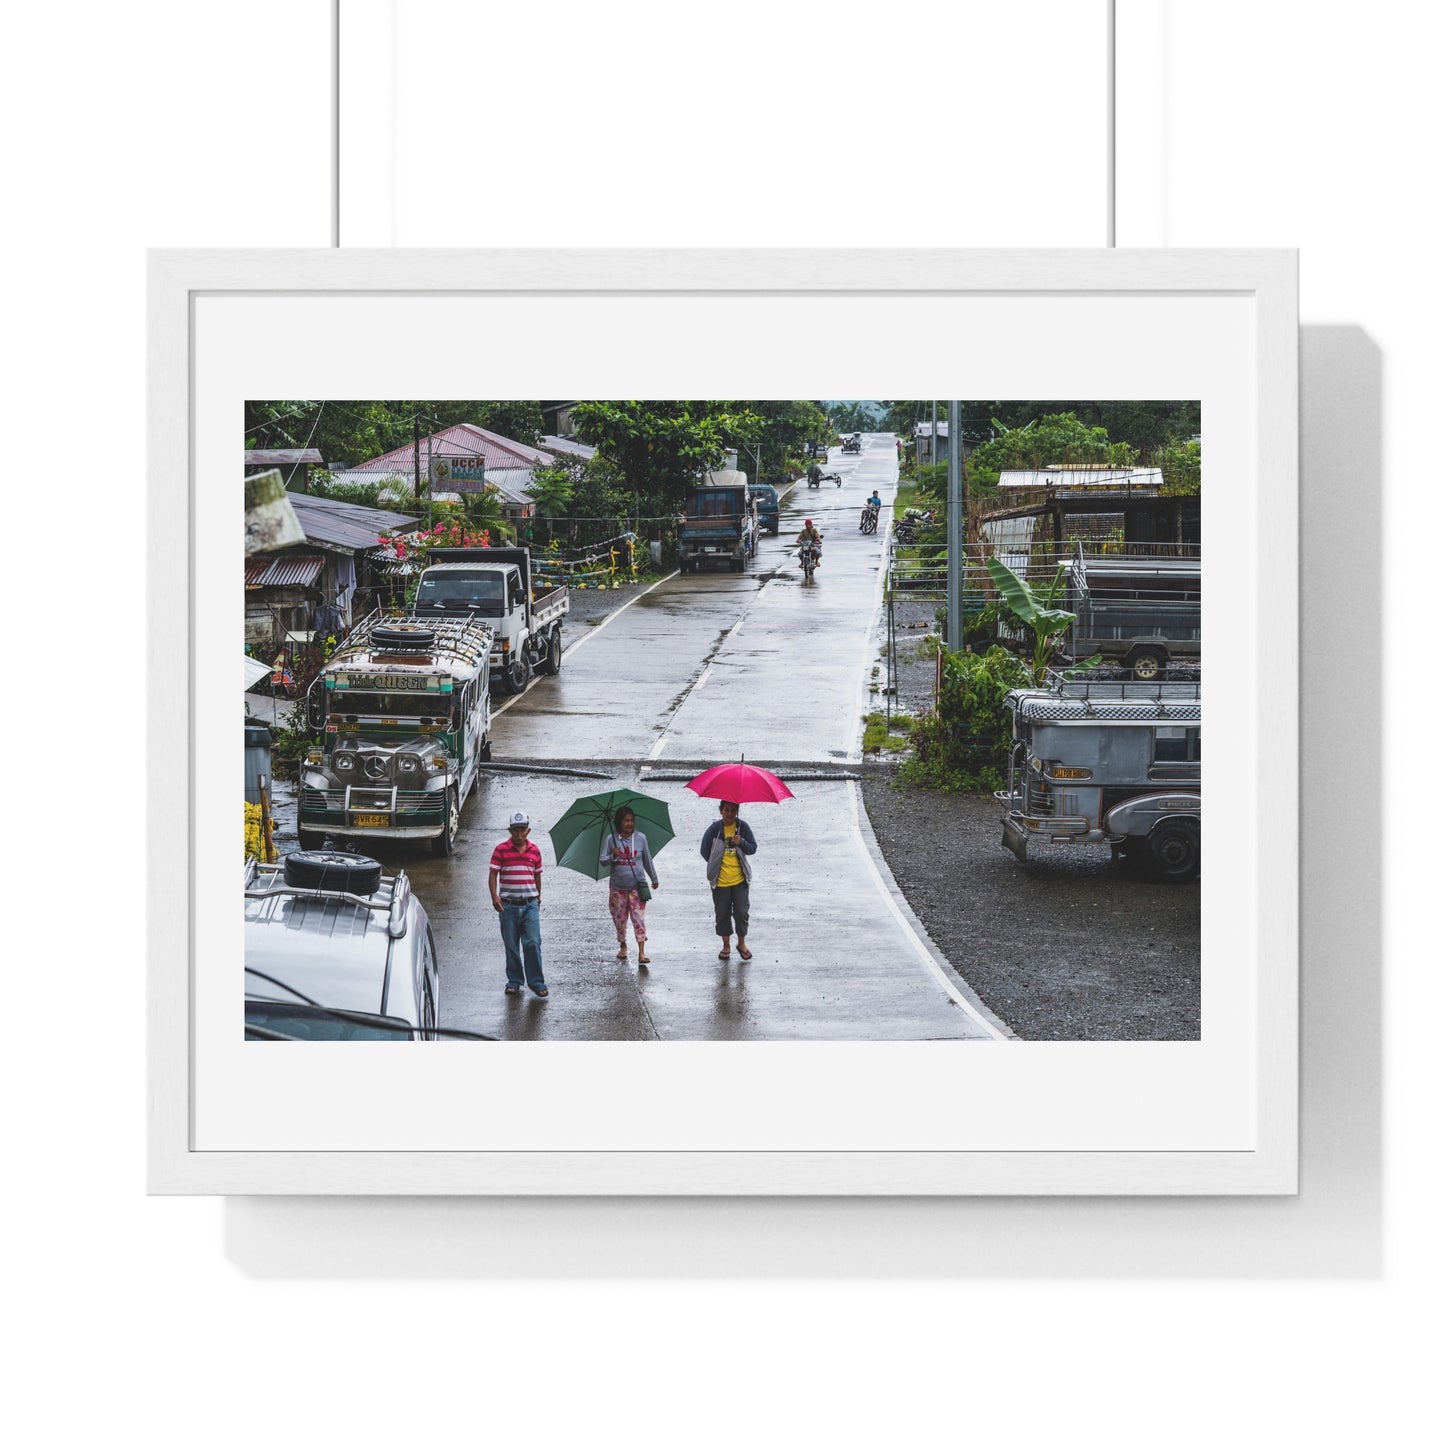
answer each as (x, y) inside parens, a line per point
(1148, 663)
(337, 872)
(445, 844)
(552, 662)
(1174, 850)
(516, 672)
(486, 753)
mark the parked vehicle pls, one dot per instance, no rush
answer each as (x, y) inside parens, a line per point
(808, 555)
(496, 585)
(404, 714)
(335, 951)
(1143, 611)
(765, 500)
(1107, 762)
(720, 524)
(909, 527)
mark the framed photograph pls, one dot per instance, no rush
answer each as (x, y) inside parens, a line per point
(796, 795)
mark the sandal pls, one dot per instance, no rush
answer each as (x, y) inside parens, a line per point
(744, 953)
(725, 955)
(643, 959)
(622, 955)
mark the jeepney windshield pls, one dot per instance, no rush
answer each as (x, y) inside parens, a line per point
(482, 593)
(391, 704)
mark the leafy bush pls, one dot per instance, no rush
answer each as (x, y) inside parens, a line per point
(964, 745)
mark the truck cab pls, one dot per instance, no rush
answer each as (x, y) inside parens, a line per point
(496, 585)
(1107, 762)
(765, 499)
(404, 716)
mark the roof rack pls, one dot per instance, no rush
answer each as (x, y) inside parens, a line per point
(268, 880)
(468, 639)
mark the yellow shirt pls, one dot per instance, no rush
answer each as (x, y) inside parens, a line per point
(731, 872)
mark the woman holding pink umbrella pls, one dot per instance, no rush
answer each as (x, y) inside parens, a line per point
(727, 845)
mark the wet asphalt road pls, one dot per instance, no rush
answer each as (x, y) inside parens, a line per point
(699, 670)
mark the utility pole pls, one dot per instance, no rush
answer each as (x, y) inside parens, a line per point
(416, 457)
(955, 531)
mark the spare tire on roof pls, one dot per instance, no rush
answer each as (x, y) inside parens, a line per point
(405, 635)
(333, 871)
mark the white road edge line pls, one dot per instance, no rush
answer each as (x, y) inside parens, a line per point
(657, 748)
(988, 1025)
(591, 632)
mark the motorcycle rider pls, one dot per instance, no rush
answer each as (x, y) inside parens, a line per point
(815, 475)
(810, 535)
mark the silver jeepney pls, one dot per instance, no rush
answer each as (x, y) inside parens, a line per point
(404, 715)
(1107, 762)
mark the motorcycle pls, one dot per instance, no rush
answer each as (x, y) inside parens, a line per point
(808, 555)
(906, 528)
(868, 522)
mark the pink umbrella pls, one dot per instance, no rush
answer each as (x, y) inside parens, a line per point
(740, 783)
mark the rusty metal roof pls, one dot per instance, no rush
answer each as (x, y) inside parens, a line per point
(463, 440)
(295, 569)
(345, 524)
(284, 457)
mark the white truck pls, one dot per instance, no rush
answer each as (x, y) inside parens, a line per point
(494, 585)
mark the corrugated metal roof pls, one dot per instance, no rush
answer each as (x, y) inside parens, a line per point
(1139, 477)
(344, 524)
(569, 448)
(462, 440)
(284, 457)
(295, 569)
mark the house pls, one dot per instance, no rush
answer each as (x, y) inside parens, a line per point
(461, 459)
(294, 463)
(557, 417)
(1084, 479)
(332, 569)
(926, 453)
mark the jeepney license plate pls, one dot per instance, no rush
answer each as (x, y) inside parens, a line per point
(371, 820)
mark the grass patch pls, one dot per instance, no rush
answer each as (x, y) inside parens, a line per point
(595, 621)
(890, 738)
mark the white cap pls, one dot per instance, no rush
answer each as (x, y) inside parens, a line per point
(520, 820)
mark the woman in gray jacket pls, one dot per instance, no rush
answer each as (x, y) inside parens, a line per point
(627, 852)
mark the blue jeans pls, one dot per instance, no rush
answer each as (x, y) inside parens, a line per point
(522, 938)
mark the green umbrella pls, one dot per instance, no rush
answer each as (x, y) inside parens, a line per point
(577, 835)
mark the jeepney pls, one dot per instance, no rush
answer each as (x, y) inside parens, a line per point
(1107, 762)
(404, 716)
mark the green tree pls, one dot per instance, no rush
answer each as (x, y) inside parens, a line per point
(659, 448)
(1180, 465)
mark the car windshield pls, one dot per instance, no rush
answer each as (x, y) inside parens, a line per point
(391, 704)
(480, 593)
(299, 1021)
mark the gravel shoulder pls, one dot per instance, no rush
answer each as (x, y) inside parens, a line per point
(1073, 946)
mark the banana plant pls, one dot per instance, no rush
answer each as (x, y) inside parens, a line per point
(1033, 608)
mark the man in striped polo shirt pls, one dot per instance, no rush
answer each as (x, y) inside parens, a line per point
(516, 883)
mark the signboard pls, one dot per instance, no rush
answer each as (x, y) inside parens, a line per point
(458, 474)
(388, 681)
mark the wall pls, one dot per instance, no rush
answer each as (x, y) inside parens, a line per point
(174, 124)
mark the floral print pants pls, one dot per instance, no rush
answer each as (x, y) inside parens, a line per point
(623, 903)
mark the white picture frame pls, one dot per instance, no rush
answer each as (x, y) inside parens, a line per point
(1260, 290)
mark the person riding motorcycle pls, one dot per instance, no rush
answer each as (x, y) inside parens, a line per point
(815, 475)
(810, 535)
